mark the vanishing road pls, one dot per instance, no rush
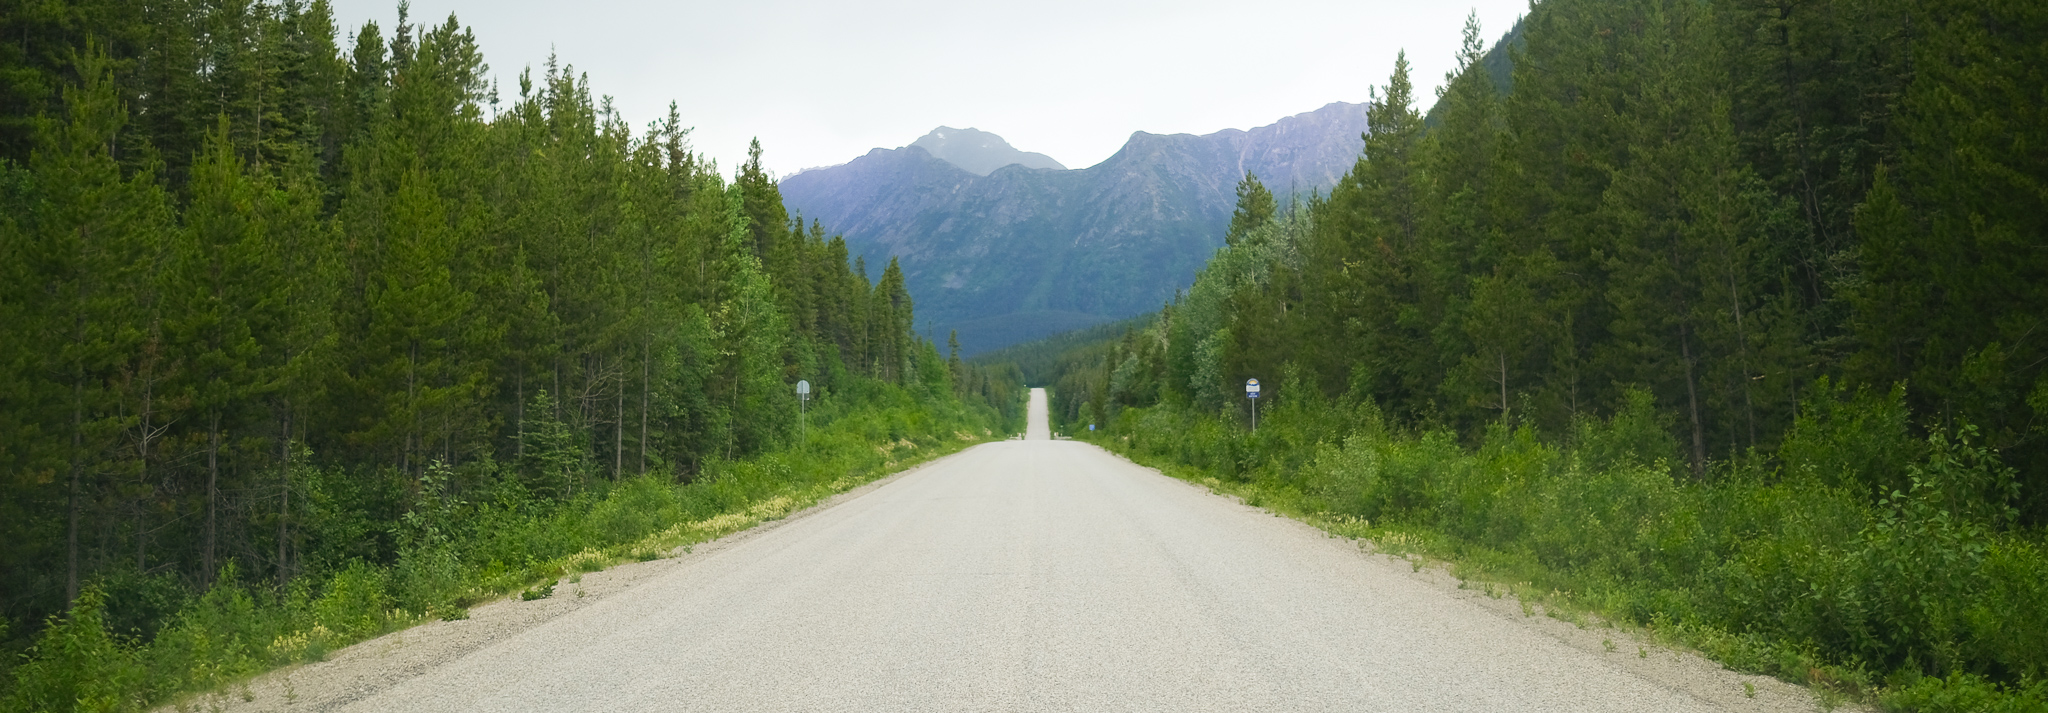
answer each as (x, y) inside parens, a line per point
(1036, 575)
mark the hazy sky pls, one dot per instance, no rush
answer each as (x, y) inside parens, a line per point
(823, 82)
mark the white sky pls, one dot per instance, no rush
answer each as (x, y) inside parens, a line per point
(823, 82)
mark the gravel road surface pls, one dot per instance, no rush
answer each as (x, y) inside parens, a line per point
(1033, 575)
(1036, 427)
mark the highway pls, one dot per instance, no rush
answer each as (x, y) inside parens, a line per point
(1027, 575)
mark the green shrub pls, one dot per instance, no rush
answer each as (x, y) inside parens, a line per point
(76, 665)
(1639, 434)
(1965, 693)
(223, 635)
(355, 601)
(2015, 581)
(138, 605)
(1860, 440)
(459, 535)
(1801, 570)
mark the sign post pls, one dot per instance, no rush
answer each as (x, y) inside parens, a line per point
(1251, 391)
(803, 400)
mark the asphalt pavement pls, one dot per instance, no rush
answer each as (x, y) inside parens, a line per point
(1031, 575)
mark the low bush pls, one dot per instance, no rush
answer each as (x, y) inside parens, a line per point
(1860, 560)
(466, 536)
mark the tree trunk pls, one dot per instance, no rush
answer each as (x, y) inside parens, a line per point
(619, 434)
(212, 496)
(77, 474)
(144, 435)
(732, 432)
(646, 355)
(1503, 387)
(1699, 442)
(284, 505)
(142, 536)
(412, 405)
(1742, 339)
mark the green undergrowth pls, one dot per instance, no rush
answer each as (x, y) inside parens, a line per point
(1919, 597)
(467, 539)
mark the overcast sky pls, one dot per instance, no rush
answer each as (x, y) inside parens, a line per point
(821, 83)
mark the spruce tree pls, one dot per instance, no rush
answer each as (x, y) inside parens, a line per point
(755, 333)
(1255, 207)
(892, 326)
(1361, 288)
(94, 235)
(226, 288)
(1954, 297)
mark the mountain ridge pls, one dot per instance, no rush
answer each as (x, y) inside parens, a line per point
(980, 152)
(1022, 252)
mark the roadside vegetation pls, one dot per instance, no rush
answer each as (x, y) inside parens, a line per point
(468, 536)
(1714, 318)
(1929, 599)
(301, 343)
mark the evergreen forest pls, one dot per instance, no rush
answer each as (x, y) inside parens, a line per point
(306, 335)
(1727, 318)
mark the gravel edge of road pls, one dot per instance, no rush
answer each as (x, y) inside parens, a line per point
(362, 669)
(1635, 651)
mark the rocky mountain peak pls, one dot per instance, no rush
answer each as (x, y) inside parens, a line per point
(979, 152)
(1009, 255)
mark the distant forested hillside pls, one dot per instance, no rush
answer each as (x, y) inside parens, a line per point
(1719, 205)
(1020, 253)
(1726, 317)
(266, 302)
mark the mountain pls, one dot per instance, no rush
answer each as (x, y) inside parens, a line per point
(979, 152)
(1023, 252)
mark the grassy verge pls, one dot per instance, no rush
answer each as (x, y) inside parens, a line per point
(1919, 600)
(467, 539)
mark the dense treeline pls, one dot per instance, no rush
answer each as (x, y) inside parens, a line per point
(1721, 204)
(261, 292)
(1792, 251)
(1067, 363)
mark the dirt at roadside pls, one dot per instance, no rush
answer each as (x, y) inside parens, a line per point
(361, 671)
(1631, 651)
(358, 671)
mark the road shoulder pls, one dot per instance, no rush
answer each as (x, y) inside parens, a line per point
(368, 667)
(1634, 651)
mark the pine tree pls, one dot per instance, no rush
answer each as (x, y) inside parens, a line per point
(94, 234)
(1494, 288)
(299, 339)
(1255, 208)
(754, 333)
(368, 277)
(172, 109)
(226, 288)
(1955, 291)
(1816, 88)
(36, 61)
(1361, 291)
(953, 367)
(891, 328)
(312, 75)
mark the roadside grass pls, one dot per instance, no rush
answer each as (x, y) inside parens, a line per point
(1923, 599)
(468, 538)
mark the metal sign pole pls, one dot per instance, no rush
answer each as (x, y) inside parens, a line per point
(1251, 391)
(803, 402)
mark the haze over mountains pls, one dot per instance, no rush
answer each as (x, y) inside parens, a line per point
(979, 152)
(1006, 246)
